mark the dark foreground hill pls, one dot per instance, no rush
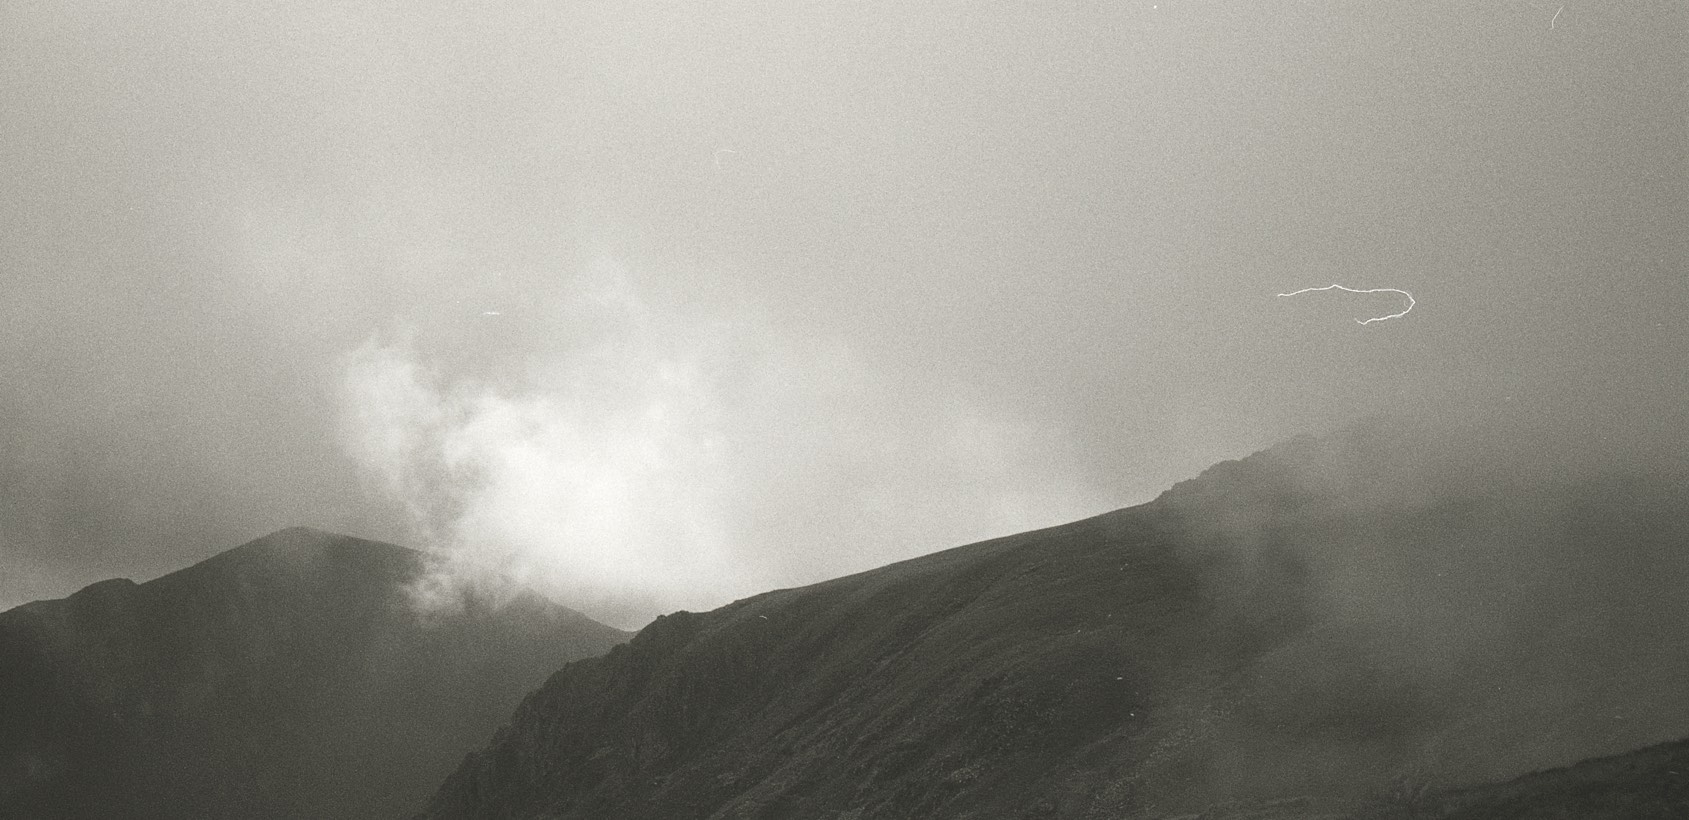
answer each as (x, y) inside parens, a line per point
(1324, 627)
(1647, 784)
(289, 677)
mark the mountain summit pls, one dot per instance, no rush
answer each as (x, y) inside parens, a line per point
(1328, 624)
(287, 677)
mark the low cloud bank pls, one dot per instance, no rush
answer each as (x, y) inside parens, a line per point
(656, 449)
(1447, 600)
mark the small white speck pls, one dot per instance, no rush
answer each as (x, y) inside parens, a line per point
(491, 313)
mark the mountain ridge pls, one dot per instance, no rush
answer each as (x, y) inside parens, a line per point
(1280, 628)
(289, 676)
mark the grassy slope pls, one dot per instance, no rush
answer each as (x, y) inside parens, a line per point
(1290, 628)
(1068, 672)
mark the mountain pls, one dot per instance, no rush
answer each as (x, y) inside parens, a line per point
(288, 677)
(1329, 625)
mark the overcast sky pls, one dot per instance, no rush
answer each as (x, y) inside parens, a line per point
(669, 302)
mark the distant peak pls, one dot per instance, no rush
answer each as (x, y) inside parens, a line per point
(300, 531)
(290, 540)
(107, 588)
(296, 538)
(294, 550)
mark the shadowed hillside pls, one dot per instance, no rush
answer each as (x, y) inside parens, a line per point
(1647, 784)
(289, 677)
(1310, 630)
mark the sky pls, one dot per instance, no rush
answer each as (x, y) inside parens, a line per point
(662, 304)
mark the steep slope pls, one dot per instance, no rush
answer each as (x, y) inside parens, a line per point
(1647, 784)
(288, 677)
(1314, 625)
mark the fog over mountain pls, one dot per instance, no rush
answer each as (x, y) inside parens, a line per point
(1305, 380)
(1345, 626)
(664, 304)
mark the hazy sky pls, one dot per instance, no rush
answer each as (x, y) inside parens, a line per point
(667, 302)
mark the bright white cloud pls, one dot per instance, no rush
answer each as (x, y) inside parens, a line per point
(672, 451)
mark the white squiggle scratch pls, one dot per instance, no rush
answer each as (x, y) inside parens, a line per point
(1405, 311)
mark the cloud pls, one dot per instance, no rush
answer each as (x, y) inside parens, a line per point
(1443, 588)
(660, 448)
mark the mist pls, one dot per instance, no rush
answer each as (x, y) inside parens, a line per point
(658, 306)
(671, 451)
(1441, 602)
